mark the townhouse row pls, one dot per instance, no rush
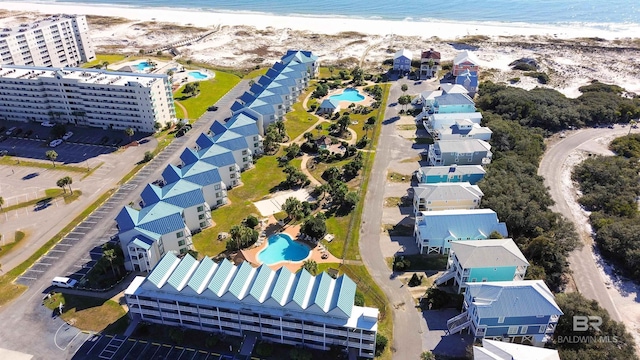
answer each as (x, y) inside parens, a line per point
(171, 210)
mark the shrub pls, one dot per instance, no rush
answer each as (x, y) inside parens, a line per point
(264, 349)
(524, 67)
(381, 343)
(401, 264)
(251, 221)
(415, 280)
(148, 156)
(543, 78)
(359, 299)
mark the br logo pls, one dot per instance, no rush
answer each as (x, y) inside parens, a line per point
(583, 322)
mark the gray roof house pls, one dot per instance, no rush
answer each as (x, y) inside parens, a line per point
(446, 196)
(460, 152)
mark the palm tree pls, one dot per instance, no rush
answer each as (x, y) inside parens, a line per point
(311, 266)
(68, 181)
(52, 155)
(319, 128)
(366, 127)
(293, 208)
(632, 123)
(110, 256)
(62, 183)
(236, 232)
(281, 129)
(331, 71)
(308, 136)
(129, 132)
(404, 88)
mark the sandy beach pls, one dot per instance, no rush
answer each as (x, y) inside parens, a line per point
(572, 56)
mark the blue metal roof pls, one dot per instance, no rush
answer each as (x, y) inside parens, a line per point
(302, 56)
(231, 140)
(329, 104)
(460, 224)
(162, 270)
(127, 218)
(151, 194)
(237, 105)
(217, 155)
(454, 99)
(200, 277)
(244, 275)
(344, 294)
(142, 242)
(171, 173)
(181, 273)
(204, 141)
(217, 128)
(161, 218)
(243, 125)
(512, 299)
(218, 282)
(246, 97)
(201, 173)
(183, 193)
(189, 156)
(305, 280)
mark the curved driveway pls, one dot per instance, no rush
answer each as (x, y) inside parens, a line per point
(554, 164)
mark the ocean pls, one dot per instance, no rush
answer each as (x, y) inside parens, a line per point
(570, 12)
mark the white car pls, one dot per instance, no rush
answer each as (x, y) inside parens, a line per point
(55, 142)
(64, 282)
(67, 136)
(47, 124)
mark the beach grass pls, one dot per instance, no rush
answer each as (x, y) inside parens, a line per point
(210, 92)
(101, 58)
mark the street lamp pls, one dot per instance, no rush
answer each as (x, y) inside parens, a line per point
(86, 160)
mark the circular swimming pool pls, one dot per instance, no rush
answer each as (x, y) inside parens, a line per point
(281, 247)
(352, 95)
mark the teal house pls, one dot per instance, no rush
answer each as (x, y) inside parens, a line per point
(453, 103)
(454, 173)
(482, 261)
(523, 312)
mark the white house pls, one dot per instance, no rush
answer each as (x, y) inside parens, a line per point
(462, 129)
(446, 196)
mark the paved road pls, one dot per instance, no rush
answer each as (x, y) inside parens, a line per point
(28, 326)
(586, 275)
(407, 340)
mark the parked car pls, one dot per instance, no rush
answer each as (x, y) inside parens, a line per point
(47, 124)
(212, 108)
(55, 142)
(10, 131)
(64, 282)
(67, 136)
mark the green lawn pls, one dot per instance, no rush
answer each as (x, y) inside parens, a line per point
(258, 183)
(86, 313)
(10, 160)
(253, 75)
(210, 92)
(298, 120)
(100, 58)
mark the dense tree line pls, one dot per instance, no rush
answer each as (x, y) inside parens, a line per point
(610, 341)
(610, 187)
(552, 111)
(517, 194)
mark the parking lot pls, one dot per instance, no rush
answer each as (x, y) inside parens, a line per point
(119, 347)
(31, 140)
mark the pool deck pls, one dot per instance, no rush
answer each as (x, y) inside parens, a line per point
(272, 227)
(344, 104)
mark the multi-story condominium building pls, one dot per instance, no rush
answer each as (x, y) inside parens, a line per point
(218, 156)
(460, 152)
(275, 92)
(435, 230)
(461, 130)
(429, 64)
(88, 97)
(203, 174)
(278, 306)
(232, 141)
(148, 234)
(515, 311)
(446, 196)
(243, 125)
(501, 350)
(186, 195)
(58, 41)
(454, 173)
(482, 261)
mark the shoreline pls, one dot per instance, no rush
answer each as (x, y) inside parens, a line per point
(332, 25)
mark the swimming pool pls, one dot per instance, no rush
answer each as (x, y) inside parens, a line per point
(197, 75)
(282, 248)
(142, 66)
(352, 95)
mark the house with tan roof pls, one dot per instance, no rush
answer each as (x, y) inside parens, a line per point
(446, 196)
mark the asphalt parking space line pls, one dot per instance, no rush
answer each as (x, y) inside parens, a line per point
(27, 278)
(50, 257)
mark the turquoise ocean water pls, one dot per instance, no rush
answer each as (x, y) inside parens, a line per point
(575, 12)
